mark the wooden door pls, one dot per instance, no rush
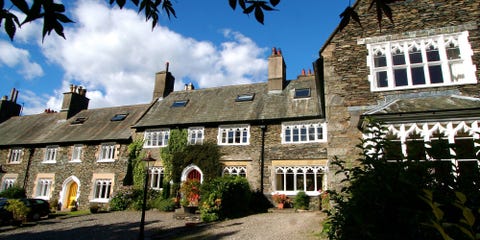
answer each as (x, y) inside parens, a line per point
(72, 194)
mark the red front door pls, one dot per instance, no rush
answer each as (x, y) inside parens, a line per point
(194, 174)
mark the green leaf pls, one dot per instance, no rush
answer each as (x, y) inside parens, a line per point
(249, 9)
(168, 7)
(135, 2)
(259, 14)
(232, 3)
(10, 27)
(274, 2)
(63, 18)
(20, 4)
(121, 3)
(461, 197)
(2, 4)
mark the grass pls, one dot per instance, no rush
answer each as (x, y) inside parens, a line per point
(70, 213)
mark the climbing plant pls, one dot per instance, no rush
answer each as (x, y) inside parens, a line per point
(172, 163)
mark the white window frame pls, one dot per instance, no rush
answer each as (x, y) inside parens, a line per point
(463, 64)
(156, 138)
(156, 176)
(298, 171)
(225, 133)
(15, 156)
(51, 153)
(44, 188)
(102, 190)
(107, 152)
(449, 130)
(235, 171)
(292, 132)
(77, 150)
(8, 183)
(196, 135)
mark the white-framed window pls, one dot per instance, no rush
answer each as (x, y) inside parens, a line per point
(304, 132)
(234, 135)
(156, 138)
(290, 180)
(44, 186)
(102, 190)
(195, 135)
(77, 153)
(431, 61)
(451, 146)
(156, 176)
(15, 155)
(107, 152)
(50, 154)
(7, 183)
(235, 171)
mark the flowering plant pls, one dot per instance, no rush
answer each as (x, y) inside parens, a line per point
(190, 191)
(280, 198)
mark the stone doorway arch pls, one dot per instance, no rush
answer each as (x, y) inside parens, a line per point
(70, 192)
(192, 171)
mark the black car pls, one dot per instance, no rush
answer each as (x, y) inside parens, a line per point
(38, 208)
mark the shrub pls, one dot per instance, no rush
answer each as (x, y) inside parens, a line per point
(190, 191)
(164, 205)
(259, 203)
(14, 192)
(301, 201)
(225, 197)
(18, 209)
(94, 207)
(122, 199)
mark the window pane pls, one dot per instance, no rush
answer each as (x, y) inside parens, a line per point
(439, 149)
(464, 148)
(295, 135)
(393, 150)
(432, 54)
(300, 182)
(279, 182)
(415, 55)
(400, 77)
(311, 133)
(415, 148)
(398, 58)
(310, 181)
(287, 134)
(380, 60)
(382, 80)
(456, 70)
(303, 134)
(290, 179)
(418, 76)
(453, 53)
(436, 75)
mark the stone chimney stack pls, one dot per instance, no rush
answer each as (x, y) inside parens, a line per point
(164, 83)
(74, 101)
(9, 107)
(276, 71)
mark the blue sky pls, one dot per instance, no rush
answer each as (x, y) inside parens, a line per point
(115, 54)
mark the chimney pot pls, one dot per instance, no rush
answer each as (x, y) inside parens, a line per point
(274, 51)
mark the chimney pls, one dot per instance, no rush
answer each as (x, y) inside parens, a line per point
(74, 101)
(9, 107)
(276, 71)
(164, 83)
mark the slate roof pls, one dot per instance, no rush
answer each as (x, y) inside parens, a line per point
(218, 105)
(424, 109)
(52, 128)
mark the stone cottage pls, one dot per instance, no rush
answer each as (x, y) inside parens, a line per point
(273, 133)
(418, 75)
(75, 156)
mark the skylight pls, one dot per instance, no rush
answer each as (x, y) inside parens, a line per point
(180, 103)
(119, 117)
(79, 120)
(245, 97)
(302, 93)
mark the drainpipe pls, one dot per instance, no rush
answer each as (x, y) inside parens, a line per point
(31, 152)
(262, 157)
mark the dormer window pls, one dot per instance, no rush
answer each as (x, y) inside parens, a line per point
(302, 93)
(119, 117)
(245, 97)
(432, 61)
(179, 103)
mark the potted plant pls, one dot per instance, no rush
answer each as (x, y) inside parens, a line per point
(190, 192)
(281, 200)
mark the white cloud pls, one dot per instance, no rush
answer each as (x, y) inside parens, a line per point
(20, 59)
(115, 55)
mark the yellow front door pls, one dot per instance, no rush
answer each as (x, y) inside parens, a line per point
(72, 194)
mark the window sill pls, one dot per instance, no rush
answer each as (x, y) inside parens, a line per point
(154, 146)
(233, 144)
(294, 193)
(99, 200)
(75, 161)
(105, 160)
(49, 162)
(13, 163)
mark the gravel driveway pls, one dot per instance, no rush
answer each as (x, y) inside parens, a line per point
(158, 225)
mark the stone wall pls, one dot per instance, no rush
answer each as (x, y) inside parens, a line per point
(347, 89)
